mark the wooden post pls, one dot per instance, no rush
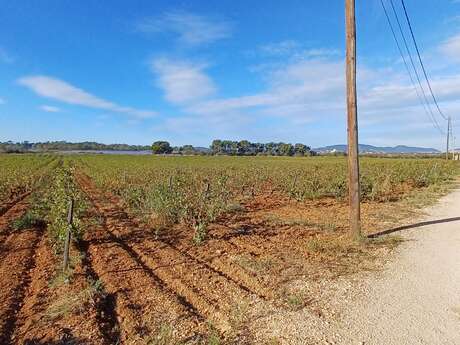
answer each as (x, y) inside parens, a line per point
(448, 138)
(295, 182)
(353, 159)
(68, 235)
(170, 182)
(207, 189)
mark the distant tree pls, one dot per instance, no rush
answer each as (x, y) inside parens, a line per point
(244, 147)
(216, 146)
(161, 147)
(301, 149)
(286, 149)
(187, 150)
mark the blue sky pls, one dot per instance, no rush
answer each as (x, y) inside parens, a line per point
(192, 71)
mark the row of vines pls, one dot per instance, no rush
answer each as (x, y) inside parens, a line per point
(21, 173)
(196, 190)
(50, 180)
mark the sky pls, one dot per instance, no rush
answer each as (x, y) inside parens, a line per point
(193, 71)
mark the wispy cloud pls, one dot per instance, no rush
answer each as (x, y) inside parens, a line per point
(280, 48)
(451, 47)
(182, 81)
(62, 91)
(294, 89)
(192, 29)
(50, 108)
(311, 90)
(293, 50)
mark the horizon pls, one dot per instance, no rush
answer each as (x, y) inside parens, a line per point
(209, 146)
(189, 72)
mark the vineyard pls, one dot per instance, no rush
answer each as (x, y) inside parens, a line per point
(187, 250)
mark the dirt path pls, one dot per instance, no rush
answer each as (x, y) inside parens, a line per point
(416, 300)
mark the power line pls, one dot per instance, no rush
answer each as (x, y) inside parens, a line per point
(433, 117)
(427, 110)
(420, 59)
(426, 103)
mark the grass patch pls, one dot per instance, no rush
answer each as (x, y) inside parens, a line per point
(68, 304)
(214, 338)
(333, 245)
(327, 226)
(27, 221)
(254, 266)
(295, 302)
(235, 208)
(164, 336)
(239, 315)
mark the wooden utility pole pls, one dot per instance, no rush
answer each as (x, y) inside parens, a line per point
(353, 159)
(448, 138)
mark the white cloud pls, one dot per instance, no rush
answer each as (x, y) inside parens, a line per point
(295, 51)
(294, 90)
(50, 108)
(182, 81)
(451, 48)
(62, 91)
(280, 48)
(192, 29)
(312, 90)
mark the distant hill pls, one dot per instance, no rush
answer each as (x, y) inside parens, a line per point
(377, 149)
(202, 149)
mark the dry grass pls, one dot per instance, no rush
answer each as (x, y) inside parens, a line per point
(74, 303)
(254, 265)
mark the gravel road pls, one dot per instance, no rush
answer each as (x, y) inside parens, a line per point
(416, 299)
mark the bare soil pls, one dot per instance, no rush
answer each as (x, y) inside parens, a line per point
(247, 268)
(129, 284)
(30, 289)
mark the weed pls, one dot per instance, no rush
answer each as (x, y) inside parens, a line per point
(295, 301)
(164, 336)
(214, 339)
(28, 220)
(200, 233)
(70, 303)
(254, 265)
(235, 208)
(239, 315)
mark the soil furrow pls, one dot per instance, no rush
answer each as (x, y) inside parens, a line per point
(106, 318)
(223, 262)
(138, 301)
(54, 311)
(168, 273)
(226, 269)
(14, 212)
(7, 206)
(213, 293)
(15, 270)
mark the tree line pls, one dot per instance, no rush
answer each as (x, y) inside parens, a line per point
(26, 146)
(246, 148)
(236, 148)
(217, 147)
